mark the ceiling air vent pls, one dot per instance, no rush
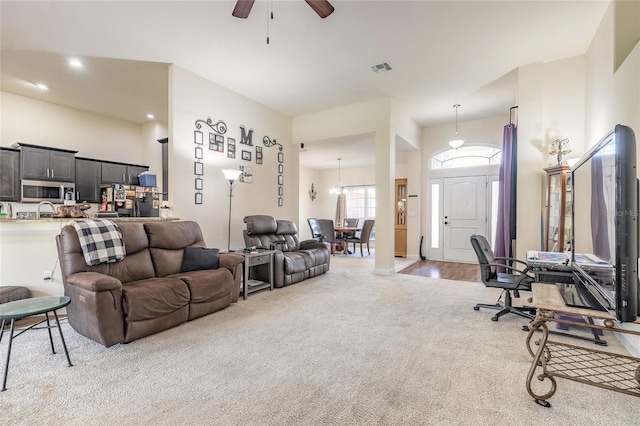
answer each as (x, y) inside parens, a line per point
(381, 67)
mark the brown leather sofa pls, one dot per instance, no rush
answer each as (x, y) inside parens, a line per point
(145, 292)
(294, 260)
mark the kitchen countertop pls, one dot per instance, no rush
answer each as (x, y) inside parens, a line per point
(68, 219)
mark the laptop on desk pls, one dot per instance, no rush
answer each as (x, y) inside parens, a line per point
(547, 259)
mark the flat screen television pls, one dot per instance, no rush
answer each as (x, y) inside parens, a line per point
(604, 245)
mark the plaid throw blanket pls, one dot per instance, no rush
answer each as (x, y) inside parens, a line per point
(101, 241)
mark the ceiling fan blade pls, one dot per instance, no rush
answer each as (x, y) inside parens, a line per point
(322, 7)
(242, 9)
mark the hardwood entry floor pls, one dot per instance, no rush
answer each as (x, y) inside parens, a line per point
(447, 270)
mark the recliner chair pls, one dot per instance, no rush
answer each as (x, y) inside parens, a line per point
(510, 282)
(294, 260)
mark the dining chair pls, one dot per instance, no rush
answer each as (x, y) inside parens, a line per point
(315, 228)
(351, 222)
(329, 234)
(363, 237)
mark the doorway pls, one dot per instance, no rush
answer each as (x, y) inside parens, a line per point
(460, 207)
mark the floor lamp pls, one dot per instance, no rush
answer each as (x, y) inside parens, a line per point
(231, 175)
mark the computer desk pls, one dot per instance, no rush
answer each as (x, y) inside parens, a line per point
(554, 359)
(555, 268)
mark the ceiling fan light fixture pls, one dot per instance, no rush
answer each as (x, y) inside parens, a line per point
(456, 142)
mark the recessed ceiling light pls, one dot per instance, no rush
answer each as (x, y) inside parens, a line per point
(151, 116)
(41, 86)
(76, 63)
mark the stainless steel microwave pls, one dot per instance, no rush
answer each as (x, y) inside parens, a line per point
(34, 191)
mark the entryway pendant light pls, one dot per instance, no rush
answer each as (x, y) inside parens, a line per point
(338, 189)
(456, 142)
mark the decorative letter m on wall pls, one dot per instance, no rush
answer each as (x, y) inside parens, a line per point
(245, 138)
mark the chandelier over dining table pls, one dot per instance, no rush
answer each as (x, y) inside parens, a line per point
(338, 189)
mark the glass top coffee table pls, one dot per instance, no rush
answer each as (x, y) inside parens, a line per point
(23, 308)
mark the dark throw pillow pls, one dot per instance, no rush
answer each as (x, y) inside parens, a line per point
(199, 258)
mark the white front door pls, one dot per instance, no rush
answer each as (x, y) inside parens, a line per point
(465, 213)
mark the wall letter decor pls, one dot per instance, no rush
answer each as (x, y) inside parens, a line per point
(245, 138)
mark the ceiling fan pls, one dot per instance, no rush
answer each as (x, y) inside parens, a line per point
(322, 7)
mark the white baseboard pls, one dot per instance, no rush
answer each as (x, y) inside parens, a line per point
(630, 342)
(380, 271)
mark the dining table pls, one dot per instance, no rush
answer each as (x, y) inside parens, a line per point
(345, 232)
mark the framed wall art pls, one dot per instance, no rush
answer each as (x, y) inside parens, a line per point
(280, 180)
(247, 174)
(198, 153)
(198, 198)
(197, 137)
(246, 155)
(213, 145)
(219, 143)
(231, 148)
(198, 168)
(199, 184)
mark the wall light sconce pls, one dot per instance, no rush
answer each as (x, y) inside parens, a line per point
(313, 193)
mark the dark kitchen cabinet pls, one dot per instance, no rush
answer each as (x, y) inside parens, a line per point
(88, 178)
(9, 174)
(133, 172)
(47, 164)
(126, 174)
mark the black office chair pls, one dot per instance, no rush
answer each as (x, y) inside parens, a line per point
(510, 282)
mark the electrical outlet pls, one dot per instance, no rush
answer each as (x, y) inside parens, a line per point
(47, 275)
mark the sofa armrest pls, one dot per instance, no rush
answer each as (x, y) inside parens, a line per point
(95, 310)
(311, 244)
(94, 281)
(233, 262)
(229, 260)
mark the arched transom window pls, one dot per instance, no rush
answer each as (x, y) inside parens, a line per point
(467, 156)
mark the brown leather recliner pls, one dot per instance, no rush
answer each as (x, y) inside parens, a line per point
(145, 292)
(294, 260)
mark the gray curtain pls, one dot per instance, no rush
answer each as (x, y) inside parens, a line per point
(341, 209)
(506, 222)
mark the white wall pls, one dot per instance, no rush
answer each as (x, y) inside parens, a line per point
(309, 208)
(195, 98)
(94, 136)
(612, 97)
(365, 117)
(435, 139)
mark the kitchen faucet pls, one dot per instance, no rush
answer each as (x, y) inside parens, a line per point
(41, 203)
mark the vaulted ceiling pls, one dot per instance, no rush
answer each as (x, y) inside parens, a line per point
(441, 52)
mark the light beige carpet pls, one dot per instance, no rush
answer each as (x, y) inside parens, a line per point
(346, 348)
